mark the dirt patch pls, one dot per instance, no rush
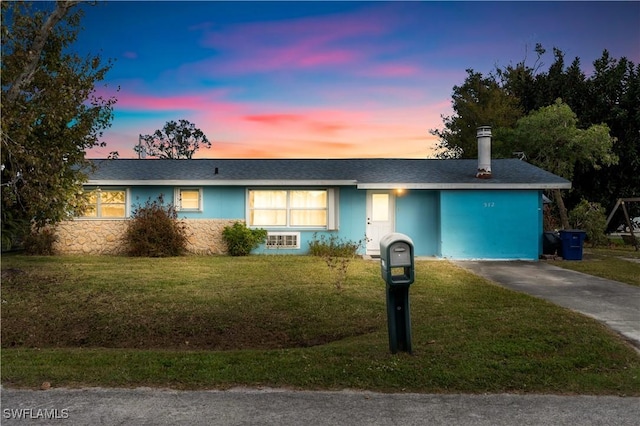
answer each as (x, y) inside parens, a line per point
(162, 335)
(10, 273)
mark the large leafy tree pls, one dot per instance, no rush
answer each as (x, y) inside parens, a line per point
(613, 97)
(610, 95)
(51, 114)
(551, 139)
(176, 140)
(479, 101)
(535, 89)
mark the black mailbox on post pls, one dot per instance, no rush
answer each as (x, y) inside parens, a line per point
(396, 259)
(398, 271)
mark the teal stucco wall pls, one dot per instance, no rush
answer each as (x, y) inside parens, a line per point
(219, 202)
(491, 224)
(454, 224)
(418, 217)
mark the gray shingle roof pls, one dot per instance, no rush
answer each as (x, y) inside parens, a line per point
(364, 172)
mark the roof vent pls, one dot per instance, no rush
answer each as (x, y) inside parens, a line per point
(484, 152)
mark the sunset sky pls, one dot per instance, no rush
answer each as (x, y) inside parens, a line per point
(324, 79)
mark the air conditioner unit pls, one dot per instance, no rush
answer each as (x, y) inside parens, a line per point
(283, 240)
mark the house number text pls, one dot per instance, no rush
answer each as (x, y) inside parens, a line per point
(489, 204)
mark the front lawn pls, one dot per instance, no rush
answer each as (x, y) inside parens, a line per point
(619, 263)
(216, 322)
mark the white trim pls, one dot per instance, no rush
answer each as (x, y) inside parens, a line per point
(206, 182)
(326, 183)
(103, 219)
(127, 202)
(479, 185)
(333, 209)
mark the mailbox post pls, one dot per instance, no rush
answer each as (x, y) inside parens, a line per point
(398, 271)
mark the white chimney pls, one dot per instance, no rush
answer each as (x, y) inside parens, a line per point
(142, 152)
(484, 152)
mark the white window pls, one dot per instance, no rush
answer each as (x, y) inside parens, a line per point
(188, 199)
(106, 203)
(294, 208)
(267, 208)
(380, 207)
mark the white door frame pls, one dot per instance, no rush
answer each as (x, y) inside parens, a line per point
(379, 222)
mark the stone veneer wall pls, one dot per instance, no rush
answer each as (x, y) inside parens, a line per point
(204, 236)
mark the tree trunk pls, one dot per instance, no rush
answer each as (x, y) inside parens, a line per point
(564, 218)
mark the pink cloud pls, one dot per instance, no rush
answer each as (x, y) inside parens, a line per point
(274, 119)
(334, 57)
(258, 130)
(383, 132)
(156, 103)
(393, 70)
(298, 54)
(319, 30)
(327, 127)
(143, 102)
(298, 43)
(312, 122)
(353, 42)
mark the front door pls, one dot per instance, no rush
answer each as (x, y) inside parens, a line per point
(380, 218)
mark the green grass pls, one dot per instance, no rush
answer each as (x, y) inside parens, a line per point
(216, 322)
(615, 263)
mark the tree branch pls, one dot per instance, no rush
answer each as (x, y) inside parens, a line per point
(33, 54)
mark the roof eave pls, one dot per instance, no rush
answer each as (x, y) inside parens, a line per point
(216, 182)
(381, 185)
(479, 185)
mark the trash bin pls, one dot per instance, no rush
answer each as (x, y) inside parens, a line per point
(571, 243)
(551, 243)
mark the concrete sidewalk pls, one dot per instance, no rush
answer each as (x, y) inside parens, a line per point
(613, 303)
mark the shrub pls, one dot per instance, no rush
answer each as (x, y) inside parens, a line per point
(39, 242)
(590, 217)
(241, 240)
(337, 254)
(155, 231)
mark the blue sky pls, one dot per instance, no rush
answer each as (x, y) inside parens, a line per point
(324, 79)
